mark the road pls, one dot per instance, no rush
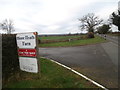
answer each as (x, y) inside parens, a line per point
(111, 38)
(99, 62)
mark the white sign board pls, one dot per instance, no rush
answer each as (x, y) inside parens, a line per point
(28, 64)
(27, 40)
(27, 52)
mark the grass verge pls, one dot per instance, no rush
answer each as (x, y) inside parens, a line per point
(51, 76)
(95, 40)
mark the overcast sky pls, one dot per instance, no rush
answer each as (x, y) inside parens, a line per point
(53, 16)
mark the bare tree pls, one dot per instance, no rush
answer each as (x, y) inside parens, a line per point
(89, 22)
(7, 26)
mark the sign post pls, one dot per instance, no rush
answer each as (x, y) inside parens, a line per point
(28, 52)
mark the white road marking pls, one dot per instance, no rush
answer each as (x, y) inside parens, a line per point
(97, 84)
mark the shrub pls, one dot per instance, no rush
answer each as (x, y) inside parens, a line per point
(90, 35)
(10, 62)
(39, 41)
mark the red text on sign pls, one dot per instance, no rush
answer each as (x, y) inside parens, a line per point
(27, 52)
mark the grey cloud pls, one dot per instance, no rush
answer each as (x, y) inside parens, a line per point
(30, 8)
(39, 28)
(95, 7)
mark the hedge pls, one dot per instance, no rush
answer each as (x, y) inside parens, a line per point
(10, 62)
(60, 40)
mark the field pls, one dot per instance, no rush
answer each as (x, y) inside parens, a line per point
(59, 37)
(80, 42)
(51, 76)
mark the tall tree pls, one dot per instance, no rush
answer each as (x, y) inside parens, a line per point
(116, 19)
(89, 22)
(103, 29)
(7, 26)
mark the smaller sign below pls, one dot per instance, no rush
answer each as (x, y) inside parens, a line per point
(27, 52)
(28, 64)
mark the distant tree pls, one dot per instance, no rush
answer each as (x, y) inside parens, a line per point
(103, 29)
(116, 19)
(7, 26)
(89, 22)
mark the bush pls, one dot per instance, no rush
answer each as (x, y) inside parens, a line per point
(90, 35)
(10, 62)
(39, 41)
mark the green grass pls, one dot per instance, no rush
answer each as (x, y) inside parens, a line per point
(95, 40)
(59, 37)
(51, 76)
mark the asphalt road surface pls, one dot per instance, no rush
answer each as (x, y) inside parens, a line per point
(98, 62)
(114, 39)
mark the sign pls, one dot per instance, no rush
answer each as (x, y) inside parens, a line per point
(28, 64)
(26, 40)
(27, 51)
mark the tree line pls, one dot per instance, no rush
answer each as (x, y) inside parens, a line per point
(91, 22)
